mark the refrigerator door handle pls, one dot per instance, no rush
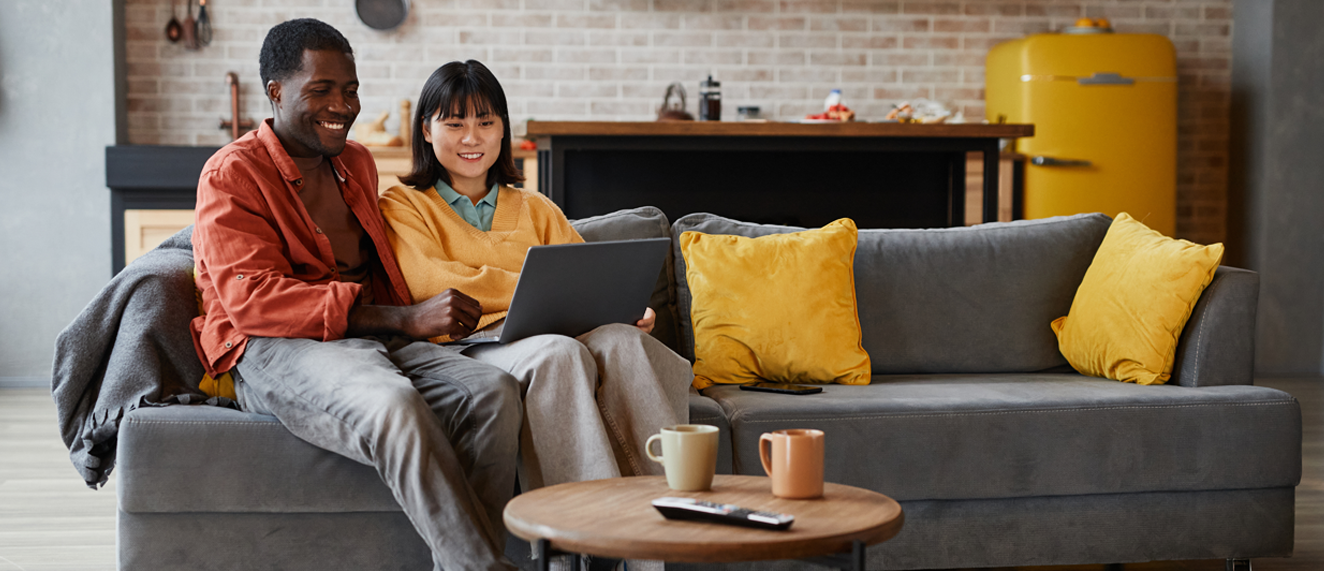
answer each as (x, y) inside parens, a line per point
(1101, 78)
(1043, 161)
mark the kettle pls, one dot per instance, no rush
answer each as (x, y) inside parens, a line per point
(672, 110)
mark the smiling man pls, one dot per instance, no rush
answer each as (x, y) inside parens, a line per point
(306, 306)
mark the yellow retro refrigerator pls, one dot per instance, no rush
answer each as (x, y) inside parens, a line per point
(1104, 109)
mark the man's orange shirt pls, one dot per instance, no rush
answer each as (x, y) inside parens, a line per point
(264, 267)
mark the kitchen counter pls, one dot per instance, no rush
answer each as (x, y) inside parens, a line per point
(775, 129)
(882, 175)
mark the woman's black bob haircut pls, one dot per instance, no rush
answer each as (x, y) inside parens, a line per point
(451, 90)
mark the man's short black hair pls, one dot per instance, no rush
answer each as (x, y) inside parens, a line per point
(282, 51)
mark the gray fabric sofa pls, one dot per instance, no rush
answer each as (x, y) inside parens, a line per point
(999, 453)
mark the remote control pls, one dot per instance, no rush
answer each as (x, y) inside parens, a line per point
(699, 510)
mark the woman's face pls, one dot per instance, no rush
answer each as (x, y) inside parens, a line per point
(466, 147)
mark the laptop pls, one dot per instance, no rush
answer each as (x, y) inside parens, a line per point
(571, 289)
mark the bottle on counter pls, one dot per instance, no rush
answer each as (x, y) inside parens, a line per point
(833, 98)
(710, 100)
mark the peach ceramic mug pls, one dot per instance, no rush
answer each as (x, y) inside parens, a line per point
(794, 460)
(689, 455)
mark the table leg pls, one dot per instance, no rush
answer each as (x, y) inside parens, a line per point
(956, 200)
(857, 555)
(852, 560)
(542, 550)
(991, 180)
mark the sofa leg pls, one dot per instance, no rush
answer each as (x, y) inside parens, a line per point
(1114, 567)
(1238, 565)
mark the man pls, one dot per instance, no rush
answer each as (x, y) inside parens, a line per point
(306, 305)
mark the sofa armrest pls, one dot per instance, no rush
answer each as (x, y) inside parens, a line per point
(704, 410)
(1217, 346)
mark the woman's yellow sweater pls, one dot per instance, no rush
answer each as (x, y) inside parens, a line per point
(438, 250)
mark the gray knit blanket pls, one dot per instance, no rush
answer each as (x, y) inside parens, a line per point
(129, 348)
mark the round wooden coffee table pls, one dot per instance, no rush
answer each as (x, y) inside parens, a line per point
(615, 518)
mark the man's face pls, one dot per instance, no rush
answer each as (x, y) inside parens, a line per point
(315, 106)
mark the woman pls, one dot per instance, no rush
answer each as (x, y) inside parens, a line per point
(590, 402)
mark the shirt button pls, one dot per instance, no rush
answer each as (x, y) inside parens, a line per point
(239, 277)
(319, 230)
(228, 344)
(298, 182)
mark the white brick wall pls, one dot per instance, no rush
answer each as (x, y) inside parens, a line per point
(612, 60)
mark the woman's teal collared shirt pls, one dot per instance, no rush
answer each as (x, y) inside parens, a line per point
(477, 215)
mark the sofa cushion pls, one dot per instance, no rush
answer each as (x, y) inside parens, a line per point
(637, 224)
(779, 307)
(1133, 303)
(704, 410)
(1016, 435)
(950, 300)
(211, 541)
(211, 459)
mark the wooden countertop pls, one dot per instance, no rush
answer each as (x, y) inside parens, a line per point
(773, 129)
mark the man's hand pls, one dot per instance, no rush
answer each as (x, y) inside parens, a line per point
(447, 313)
(646, 324)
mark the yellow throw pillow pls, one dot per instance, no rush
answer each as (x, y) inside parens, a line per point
(1130, 309)
(779, 307)
(223, 384)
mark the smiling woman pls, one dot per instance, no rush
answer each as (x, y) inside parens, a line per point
(466, 144)
(460, 224)
(462, 108)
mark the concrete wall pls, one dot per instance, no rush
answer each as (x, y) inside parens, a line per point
(57, 114)
(1278, 182)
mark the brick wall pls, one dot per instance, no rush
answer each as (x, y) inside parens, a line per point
(612, 60)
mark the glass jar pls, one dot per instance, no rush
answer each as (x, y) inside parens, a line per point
(710, 100)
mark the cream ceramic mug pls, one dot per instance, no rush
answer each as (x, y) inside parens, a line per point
(794, 460)
(689, 455)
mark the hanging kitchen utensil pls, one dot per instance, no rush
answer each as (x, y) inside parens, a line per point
(674, 110)
(173, 29)
(204, 24)
(190, 26)
(382, 14)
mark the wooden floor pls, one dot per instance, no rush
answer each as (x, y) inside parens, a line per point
(50, 521)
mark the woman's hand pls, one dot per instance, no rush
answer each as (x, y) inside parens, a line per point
(646, 324)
